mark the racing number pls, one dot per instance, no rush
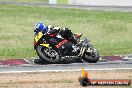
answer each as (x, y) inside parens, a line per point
(38, 36)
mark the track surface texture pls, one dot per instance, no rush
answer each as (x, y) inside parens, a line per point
(26, 65)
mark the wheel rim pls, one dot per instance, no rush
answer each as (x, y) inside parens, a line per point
(50, 53)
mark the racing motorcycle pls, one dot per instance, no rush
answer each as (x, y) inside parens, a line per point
(53, 49)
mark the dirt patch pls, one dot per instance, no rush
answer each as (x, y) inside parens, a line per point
(58, 79)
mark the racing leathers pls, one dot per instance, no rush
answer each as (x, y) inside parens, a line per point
(64, 33)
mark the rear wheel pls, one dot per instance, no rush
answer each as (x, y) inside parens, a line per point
(48, 55)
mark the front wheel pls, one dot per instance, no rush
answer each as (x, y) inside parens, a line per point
(48, 55)
(91, 57)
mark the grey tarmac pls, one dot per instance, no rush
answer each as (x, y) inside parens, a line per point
(113, 65)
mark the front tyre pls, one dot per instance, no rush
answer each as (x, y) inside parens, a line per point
(91, 57)
(48, 55)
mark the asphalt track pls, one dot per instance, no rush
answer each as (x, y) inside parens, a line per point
(110, 65)
(106, 65)
(83, 7)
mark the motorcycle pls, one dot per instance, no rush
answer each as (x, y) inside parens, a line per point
(53, 49)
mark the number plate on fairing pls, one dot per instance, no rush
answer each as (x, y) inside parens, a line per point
(38, 36)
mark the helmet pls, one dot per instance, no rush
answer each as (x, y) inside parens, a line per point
(40, 27)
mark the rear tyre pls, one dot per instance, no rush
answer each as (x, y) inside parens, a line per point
(48, 55)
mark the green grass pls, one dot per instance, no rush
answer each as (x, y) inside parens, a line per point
(25, 0)
(62, 1)
(109, 32)
(36, 1)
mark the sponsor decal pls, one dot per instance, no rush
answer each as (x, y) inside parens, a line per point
(86, 81)
(61, 43)
(52, 35)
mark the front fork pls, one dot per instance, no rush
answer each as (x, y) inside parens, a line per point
(82, 50)
(85, 48)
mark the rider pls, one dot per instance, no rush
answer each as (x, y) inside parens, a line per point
(64, 32)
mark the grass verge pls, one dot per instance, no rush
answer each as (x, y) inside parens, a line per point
(109, 32)
(25, 1)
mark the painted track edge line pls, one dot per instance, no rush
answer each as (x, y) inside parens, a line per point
(38, 71)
